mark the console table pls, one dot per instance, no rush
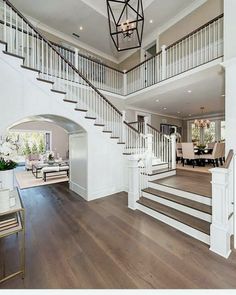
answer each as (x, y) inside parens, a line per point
(17, 208)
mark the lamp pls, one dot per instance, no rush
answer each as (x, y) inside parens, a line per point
(126, 23)
(202, 123)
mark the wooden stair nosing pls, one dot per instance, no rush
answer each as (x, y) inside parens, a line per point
(30, 69)
(114, 137)
(58, 91)
(3, 42)
(81, 110)
(90, 118)
(44, 80)
(69, 100)
(180, 200)
(106, 131)
(14, 55)
(120, 142)
(99, 125)
(194, 222)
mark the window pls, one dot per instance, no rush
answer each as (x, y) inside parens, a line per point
(209, 134)
(222, 130)
(195, 134)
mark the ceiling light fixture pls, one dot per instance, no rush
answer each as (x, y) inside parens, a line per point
(81, 28)
(151, 21)
(157, 100)
(202, 123)
(126, 23)
(189, 91)
(164, 108)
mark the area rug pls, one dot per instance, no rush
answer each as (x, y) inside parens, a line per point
(26, 179)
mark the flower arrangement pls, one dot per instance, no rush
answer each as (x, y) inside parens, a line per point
(8, 151)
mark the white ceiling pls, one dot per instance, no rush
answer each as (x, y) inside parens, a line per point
(207, 88)
(68, 15)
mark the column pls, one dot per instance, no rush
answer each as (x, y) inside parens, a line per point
(133, 175)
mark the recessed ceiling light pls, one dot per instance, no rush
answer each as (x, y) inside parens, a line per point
(223, 95)
(164, 108)
(189, 91)
(157, 100)
(151, 21)
(81, 28)
(190, 115)
(178, 112)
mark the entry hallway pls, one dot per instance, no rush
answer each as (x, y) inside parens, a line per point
(102, 244)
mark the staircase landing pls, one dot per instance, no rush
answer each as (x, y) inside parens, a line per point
(188, 181)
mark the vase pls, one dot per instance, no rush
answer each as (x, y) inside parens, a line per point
(7, 179)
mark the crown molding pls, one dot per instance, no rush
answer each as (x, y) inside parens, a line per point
(70, 39)
(206, 116)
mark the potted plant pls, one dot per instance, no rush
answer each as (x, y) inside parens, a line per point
(7, 165)
(51, 159)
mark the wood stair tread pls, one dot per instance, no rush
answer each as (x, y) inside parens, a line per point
(191, 221)
(14, 55)
(30, 69)
(44, 80)
(180, 200)
(58, 91)
(160, 171)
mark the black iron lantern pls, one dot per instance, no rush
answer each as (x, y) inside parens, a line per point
(126, 22)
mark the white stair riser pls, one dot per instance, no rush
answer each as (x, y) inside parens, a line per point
(161, 175)
(176, 224)
(182, 208)
(2, 47)
(159, 166)
(180, 193)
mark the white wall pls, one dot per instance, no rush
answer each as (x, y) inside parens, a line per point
(78, 144)
(22, 96)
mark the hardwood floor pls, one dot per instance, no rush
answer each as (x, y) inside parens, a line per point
(189, 181)
(102, 244)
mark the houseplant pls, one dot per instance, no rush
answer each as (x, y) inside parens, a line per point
(51, 159)
(7, 165)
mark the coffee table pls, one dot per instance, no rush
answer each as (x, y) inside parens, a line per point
(36, 168)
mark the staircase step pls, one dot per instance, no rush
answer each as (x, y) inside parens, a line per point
(58, 91)
(99, 125)
(69, 100)
(180, 200)
(161, 171)
(30, 69)
(44, 80)
(81, 110)
(14, 55)
(191, 221)
(90, 118)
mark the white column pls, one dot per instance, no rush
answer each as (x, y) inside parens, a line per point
(146, 119)
(163, 48)
(220, 227)
(123, 126)
(125, 83)
(173, 151)
(133, 175)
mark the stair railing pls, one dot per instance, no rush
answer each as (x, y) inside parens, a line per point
(102, 76)
(24, 40)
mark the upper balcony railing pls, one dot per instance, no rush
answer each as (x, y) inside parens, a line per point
(197, 48)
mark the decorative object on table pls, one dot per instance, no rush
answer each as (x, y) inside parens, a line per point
(126, 23)
(202, 123)
(201, 146)
(4, 200)
(51, 159)
(8, 151)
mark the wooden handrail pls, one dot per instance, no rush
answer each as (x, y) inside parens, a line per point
(229, 159)
(61, 56)
(127, 124)
(89, 58)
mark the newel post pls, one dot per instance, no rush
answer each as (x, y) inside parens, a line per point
(133, 176)
(164, 66)
(220, 227)
(123, 126)
(173, 151)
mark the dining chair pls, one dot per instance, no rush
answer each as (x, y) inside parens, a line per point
(179, 153)
(222, 153)
(211, 145)
(188, 153)
(214, 156)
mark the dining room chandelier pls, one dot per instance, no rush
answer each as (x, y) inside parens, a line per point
(202, 123)
(126, 23)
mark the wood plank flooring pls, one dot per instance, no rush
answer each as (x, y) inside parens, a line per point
(189, 181)
(102, 244)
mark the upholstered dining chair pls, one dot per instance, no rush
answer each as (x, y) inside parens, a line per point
(215, 155)
(188, 153)
(179, 152)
